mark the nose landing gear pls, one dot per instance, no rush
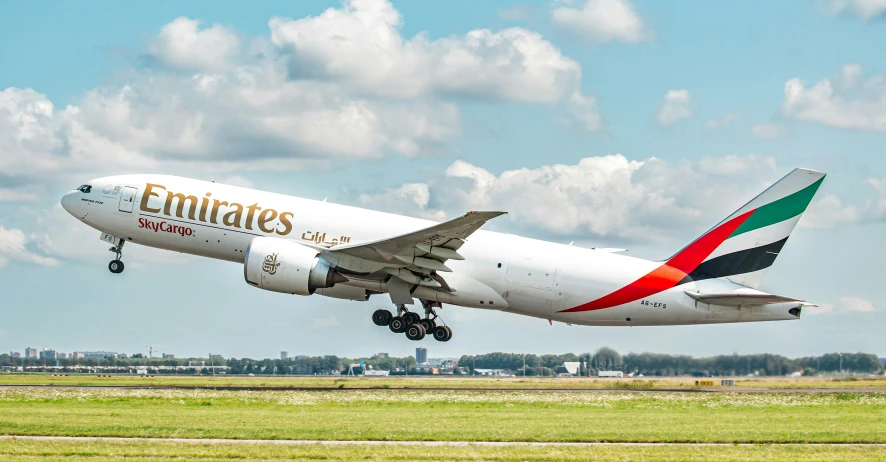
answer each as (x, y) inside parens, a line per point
(414, 326)
(116, 266)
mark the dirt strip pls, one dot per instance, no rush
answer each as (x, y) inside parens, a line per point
(406, 443)
(550, 390)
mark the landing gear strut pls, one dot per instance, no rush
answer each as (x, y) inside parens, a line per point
(440, 333)
(116, 266)
(412, 324)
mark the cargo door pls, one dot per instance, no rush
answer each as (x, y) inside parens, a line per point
(127, 199)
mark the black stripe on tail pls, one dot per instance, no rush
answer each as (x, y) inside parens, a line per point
(741, 262)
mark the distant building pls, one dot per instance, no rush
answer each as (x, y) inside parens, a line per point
(301, 356)
(443, 363)
(76, 355)
(99, 355)
(421, 355)
(215, 357)
(381, 355)
(30, 352)
(48, 354)
(284, 355)
(168, 356)
(62, 356)
(569, 368)
(15, 354)
(492, 372)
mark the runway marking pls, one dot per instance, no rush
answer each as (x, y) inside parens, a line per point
(405, 443)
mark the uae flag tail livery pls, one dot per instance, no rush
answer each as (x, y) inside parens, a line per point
(739, 249)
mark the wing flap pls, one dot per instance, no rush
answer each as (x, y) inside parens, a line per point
(741, 299)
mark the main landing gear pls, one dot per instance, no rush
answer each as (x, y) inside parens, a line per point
(414, 326)
(116, 266)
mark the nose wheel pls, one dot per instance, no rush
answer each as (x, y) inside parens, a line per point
(116, 266)
(412, 324)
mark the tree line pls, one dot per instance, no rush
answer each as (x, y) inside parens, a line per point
(655, 364)
(309, 365)
(648, 364)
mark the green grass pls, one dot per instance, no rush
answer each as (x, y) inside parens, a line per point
(862, 383)
(444, 416)
(76, 451)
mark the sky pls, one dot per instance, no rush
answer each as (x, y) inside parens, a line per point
(610, 123)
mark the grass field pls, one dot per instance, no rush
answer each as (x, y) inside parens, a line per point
(150, 451)
(447, 416)
(878, 383)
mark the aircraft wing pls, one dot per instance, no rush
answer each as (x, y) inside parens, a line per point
(741, 299)
(410, 259)
(438, 243)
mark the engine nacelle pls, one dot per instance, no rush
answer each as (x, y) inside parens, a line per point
(281, 265)
(345, 292)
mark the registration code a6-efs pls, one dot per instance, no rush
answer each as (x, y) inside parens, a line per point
(654, 304)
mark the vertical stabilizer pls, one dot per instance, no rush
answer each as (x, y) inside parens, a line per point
(742, 247)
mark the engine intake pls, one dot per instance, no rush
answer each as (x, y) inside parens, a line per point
(281, 265)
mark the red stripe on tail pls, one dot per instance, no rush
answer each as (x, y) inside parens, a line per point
(671, 272)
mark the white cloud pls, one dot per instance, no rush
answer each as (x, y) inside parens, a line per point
(183, 44)
(864, 9)
(723, 122)
(768, 130)
(676, 105)
(845, 101)
(14, 245)
(855, 304)
(879, 206)
(602, 21)
(344, 84)
(330, 321)
(409, 199)
(360, 45)
(585, 112)
(14, 195)
(828, 212)
(609, 195)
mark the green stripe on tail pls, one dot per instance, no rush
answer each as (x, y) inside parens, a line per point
(780, 210)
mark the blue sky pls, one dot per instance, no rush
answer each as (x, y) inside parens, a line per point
(635, 124)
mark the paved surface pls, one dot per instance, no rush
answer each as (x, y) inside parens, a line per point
(405, 443)
(548, 390)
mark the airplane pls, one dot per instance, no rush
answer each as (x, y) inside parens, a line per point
(299, 246)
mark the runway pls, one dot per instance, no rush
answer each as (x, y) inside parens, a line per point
(409, 443)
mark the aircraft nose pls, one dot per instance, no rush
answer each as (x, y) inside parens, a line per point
(68, 201)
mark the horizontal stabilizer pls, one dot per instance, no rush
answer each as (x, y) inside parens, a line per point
(741, 299)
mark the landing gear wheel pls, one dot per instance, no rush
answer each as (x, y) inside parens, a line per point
(428, 324)
(116, 266)
(412, 318)
(415, 332)
(398, 325)
(382, 317)
(442, 333)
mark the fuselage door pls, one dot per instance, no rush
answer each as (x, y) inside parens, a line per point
(127, 199)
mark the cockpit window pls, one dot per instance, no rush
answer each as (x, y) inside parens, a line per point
(85, 188)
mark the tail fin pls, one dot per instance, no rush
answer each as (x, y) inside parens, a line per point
(742, 247)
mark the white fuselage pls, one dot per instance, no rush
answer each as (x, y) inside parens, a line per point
(500, 271)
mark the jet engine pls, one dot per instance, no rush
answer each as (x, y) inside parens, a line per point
(345, 292)
(281, 265)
